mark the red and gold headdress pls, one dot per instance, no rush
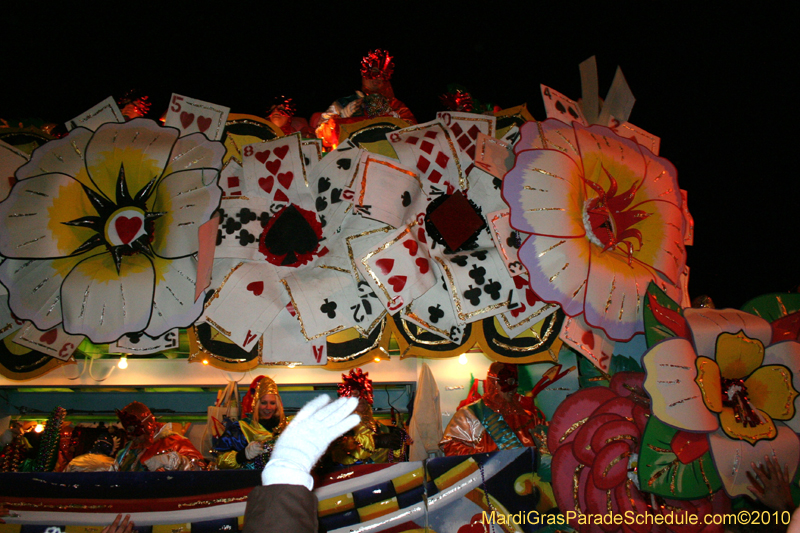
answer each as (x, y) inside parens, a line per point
(259, 387)
(457, 101)
(137, 419)
(356, 381)
(377, 64)
(284, 106)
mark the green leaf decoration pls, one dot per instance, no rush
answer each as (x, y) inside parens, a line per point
(662, 473)
(663, 317)
(623, 363)
(589, 375)
(773, 306)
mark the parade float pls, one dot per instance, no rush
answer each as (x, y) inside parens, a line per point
(163, 261)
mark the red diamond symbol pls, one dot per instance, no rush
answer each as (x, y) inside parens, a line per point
(412, 140)
(233, 181)
(426, 147)
(474, 131)
(431, 134)
(463, 142)
(442, 159)
(456, 129)
(423, 164)
(435, 176)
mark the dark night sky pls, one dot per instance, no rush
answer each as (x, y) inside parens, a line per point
(714, 85)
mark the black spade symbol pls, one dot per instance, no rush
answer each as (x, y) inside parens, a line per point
(321, 203)
(336, 196)
(343, 164)
(406, 199)
(291, 234)
(323, 185)
(560, 107)
(573, 113)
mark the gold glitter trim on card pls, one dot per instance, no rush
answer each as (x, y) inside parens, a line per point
(413, 336)
(371, 160)
(350, 238)
(542, 339)
(224, 281)
(465, 317)
(356, 355)
(366, 258)
(219, 328)
(300, 318)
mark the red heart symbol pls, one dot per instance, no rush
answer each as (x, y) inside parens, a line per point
(127, 228)
(273, 166)
(186, 119)
(421, 236)
(588, 339)
(285, 179)
(530, 297)
(262, 156)
(256, 287)
(516, 312)
(266, 183)
(280, 197)
(281, 151)
(423, 265)
(412, 246)
(49, 337)
(386, 265)
(397, 283)
(203, 123)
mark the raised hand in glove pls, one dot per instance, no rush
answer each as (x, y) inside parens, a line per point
(253, 450)
(304, 441)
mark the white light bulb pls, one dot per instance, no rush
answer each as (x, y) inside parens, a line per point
(462, 359)
(123, 362)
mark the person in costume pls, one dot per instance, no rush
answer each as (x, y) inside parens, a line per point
(285, 502)
(248, 443)
(153, 445)
(376, 98)
(498, 420)
(98, 459)
(283, 113)
(370, 441)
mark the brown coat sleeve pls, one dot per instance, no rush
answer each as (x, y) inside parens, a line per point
(280, 509)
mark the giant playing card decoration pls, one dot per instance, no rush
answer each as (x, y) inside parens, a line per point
(603, 217)
(101, 228)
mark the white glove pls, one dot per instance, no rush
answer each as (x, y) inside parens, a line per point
(253, 450)
(304, 441)
(167, 461)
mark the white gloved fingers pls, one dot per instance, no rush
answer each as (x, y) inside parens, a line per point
(311, 408)
(343, 427)
(336, 411)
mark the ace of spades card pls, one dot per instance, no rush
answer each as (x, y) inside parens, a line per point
(387, 191)
(560, 107)
(105, 111)
(190, 115)
(246, 303)
(285, 344)
(431, 151)
(54, 342)
(399, 269)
